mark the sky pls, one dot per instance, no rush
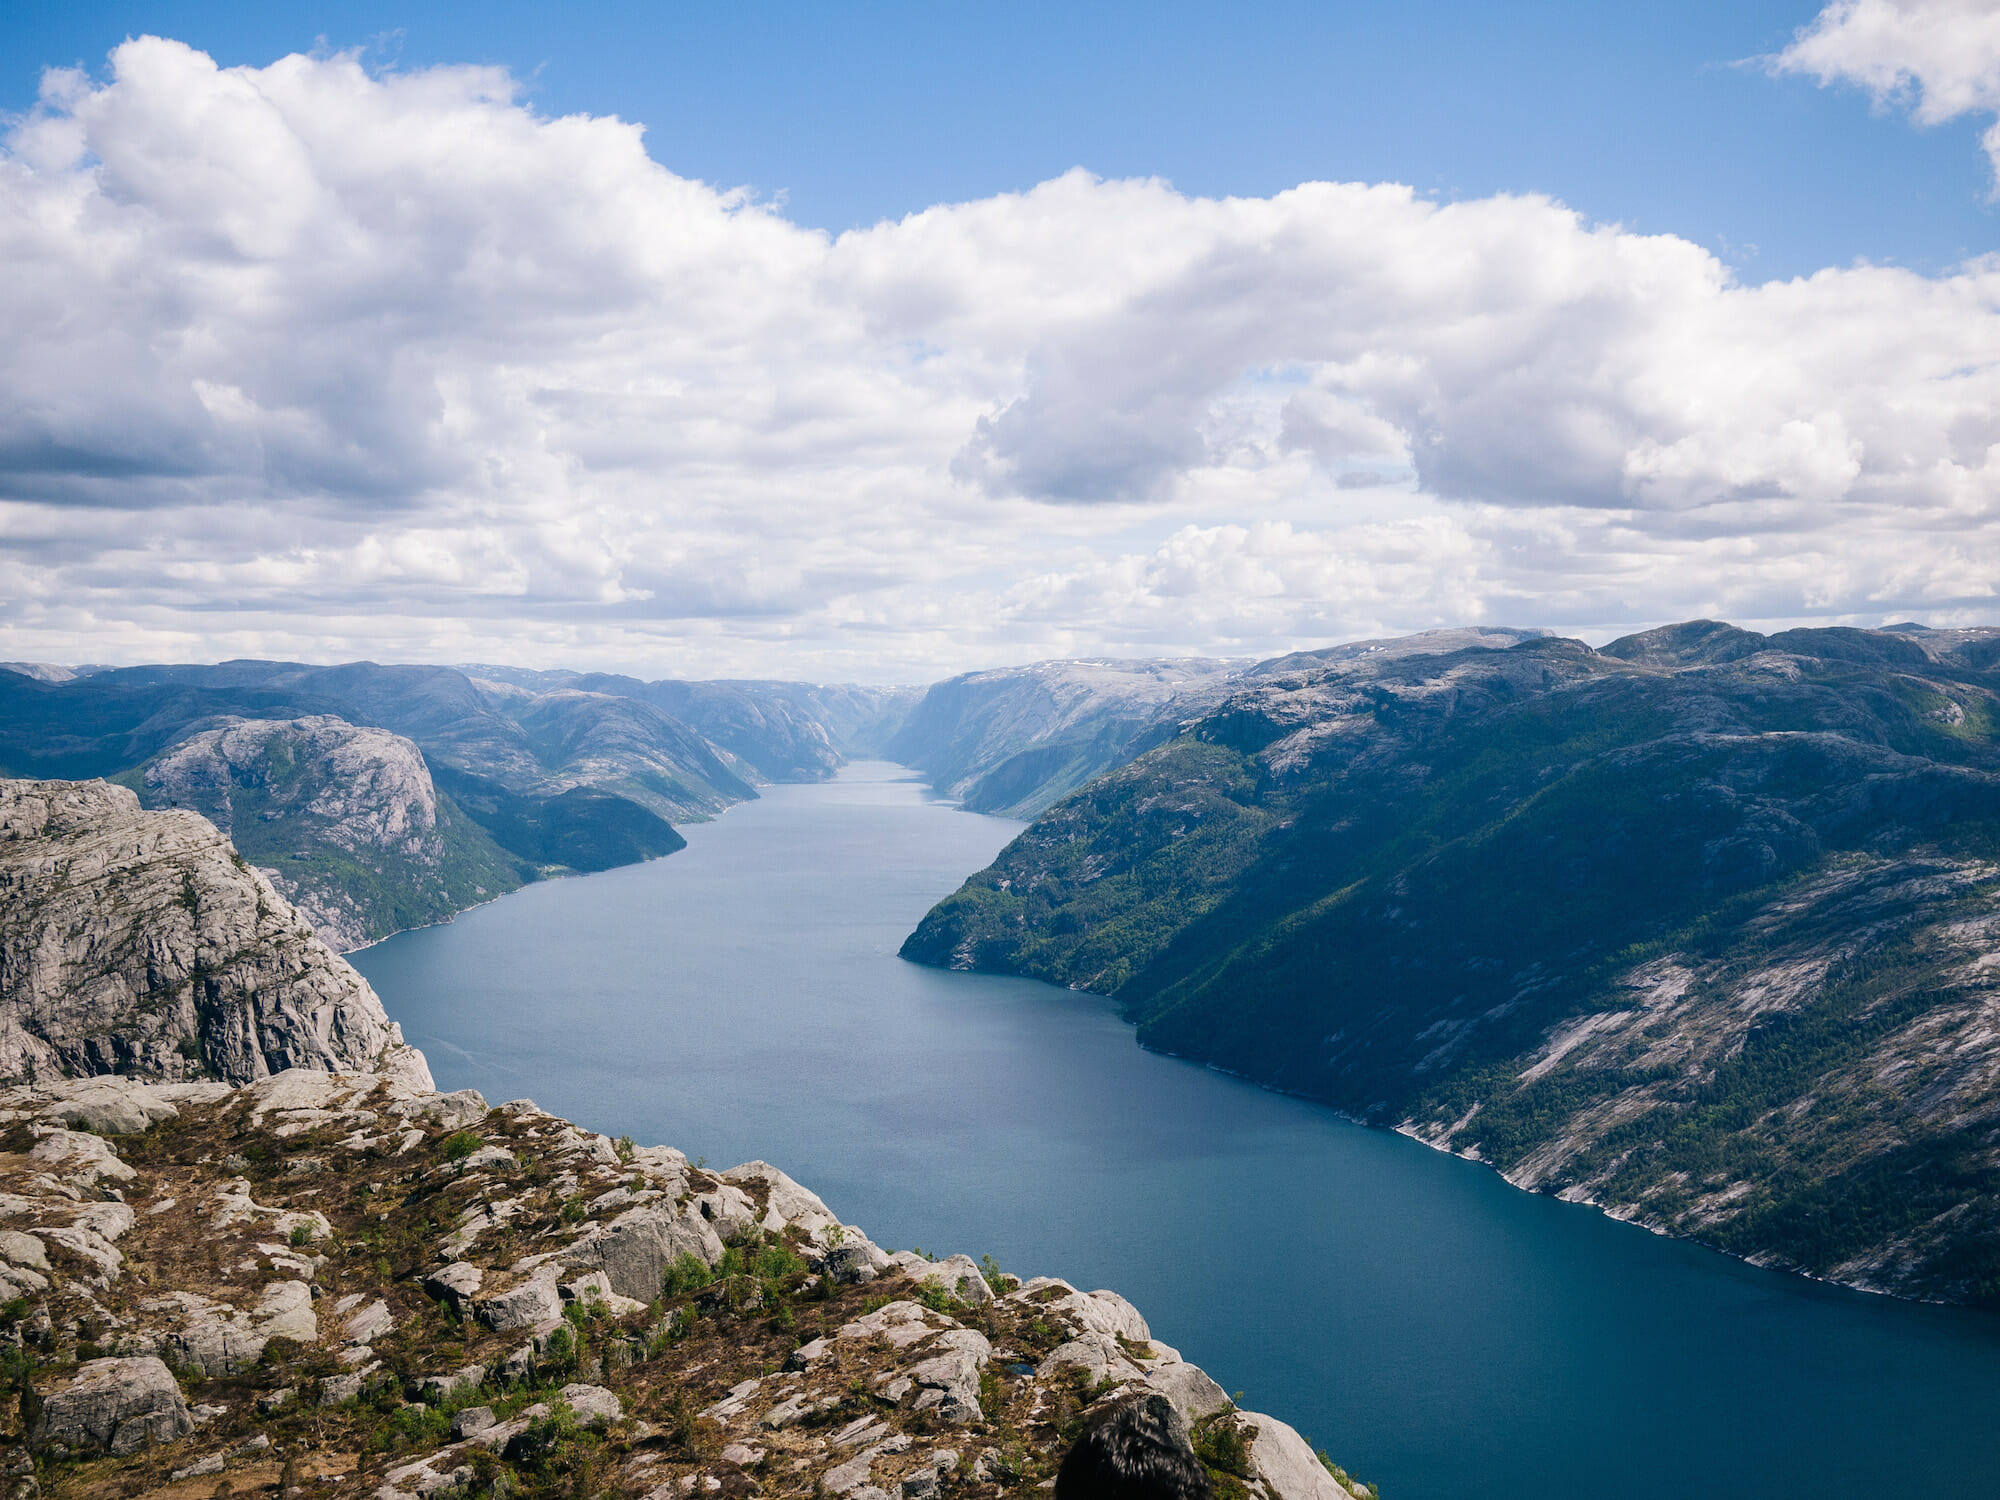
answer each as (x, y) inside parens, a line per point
(880, 342)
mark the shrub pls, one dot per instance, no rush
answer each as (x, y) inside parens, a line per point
(1220, 1443)
(563, 1354)
(688, 1273)
(459, 1145)
(777, 1264)
(302, 1234)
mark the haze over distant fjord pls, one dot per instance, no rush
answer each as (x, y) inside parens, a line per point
(321, 361)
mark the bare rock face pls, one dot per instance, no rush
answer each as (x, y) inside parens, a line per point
(141, 943)
(118, 1405)
(370, 788)
(344, 819)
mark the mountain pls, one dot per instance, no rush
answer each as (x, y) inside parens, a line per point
(512, 774)
(551, 782)
(111, 721)
(143, 943)
(346, 822)
(1016, 739)
(778, 731)
(1699, 927)
(332, 1275)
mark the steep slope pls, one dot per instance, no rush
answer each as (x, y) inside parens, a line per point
(1019, 738)
(777, 731)
(583, 784)
(345, 821)
(628, 748)
(372, 1289)
(1699, 927)
(141, 942)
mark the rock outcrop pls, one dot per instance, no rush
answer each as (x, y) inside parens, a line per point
(143, 943)
(345, 821)
(312, 1251)
(117, 1405)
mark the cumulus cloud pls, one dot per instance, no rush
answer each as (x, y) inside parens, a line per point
(311, 361)
(1941, 57)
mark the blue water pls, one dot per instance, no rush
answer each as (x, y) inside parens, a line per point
(1438, 1332)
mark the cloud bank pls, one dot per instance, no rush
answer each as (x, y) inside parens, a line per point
(305, 360)
(1941, 57)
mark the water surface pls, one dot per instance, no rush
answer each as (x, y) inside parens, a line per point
(1440, 1333)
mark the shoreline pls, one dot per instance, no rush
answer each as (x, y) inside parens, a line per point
(1586, 1201)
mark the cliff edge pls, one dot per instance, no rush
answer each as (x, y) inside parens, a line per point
(142, 943)
(343, 1285)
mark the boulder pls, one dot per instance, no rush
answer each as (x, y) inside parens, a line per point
(594, 1287)
(1096, 1312)
(1291, 1470)
(593, 1405)
(473, 1419)
(81, 1155)
(434, 1390)
(635, 1249)
(949, 1380)
(901, 1323)
(488, 1159)
(457, 1284)
(453, 1111)
(1190, 1390)
(220, 1340)
(536, 1300)
(1097, 1354)
(23, 1250)
(119, 1405)
(728, 1210)
(369, 1322)
(959, 1276)
(786, 1202)
(111, 1106)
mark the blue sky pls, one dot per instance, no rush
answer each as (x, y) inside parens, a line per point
(382, 330)
(857, 112)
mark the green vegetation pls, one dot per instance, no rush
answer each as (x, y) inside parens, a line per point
(1477, 849)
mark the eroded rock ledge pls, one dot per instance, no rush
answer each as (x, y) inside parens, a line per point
(142, 943)
(349, 1284)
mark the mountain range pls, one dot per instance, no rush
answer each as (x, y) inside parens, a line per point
(483, 781)
(1699, 926)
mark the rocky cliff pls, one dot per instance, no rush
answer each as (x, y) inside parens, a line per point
(142, 942)
(1699, 927)
(531, 752)
(347, 1282)
(346, 821)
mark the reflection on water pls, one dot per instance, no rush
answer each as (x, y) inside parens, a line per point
(1438, 1332)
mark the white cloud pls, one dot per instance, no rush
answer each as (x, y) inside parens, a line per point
(1941, 57)
(304, 361)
